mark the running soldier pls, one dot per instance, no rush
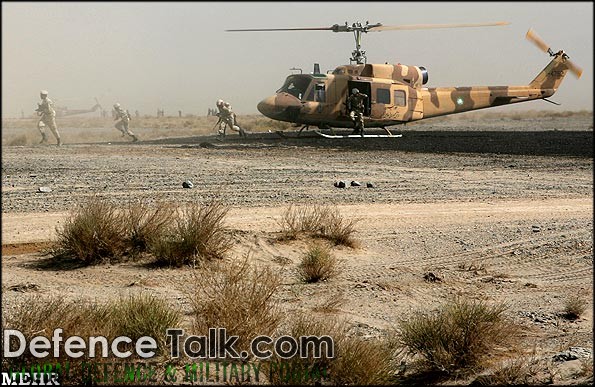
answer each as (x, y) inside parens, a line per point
(356, 107)
(227, 118)
(124, 118)
(47, 114)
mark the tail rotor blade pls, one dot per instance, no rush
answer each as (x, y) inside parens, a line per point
(533, 37)
(574, 69)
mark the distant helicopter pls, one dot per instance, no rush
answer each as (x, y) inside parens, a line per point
(396, 94)
(63, 111)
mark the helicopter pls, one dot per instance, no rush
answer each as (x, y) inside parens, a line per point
(396, 92)
(63, 111)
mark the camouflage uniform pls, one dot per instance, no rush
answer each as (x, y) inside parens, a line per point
(356, 107)
(46, 110)
(227, 118)
(122, 125)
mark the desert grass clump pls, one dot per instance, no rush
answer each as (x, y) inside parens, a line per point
(143, 314)
(238, 297)
(147, 224)
(519, 371)
(134, 316)
(343, 359)
(199, 233)
(459, 336)
(95, 232)
(575, 306)
(318, 264)
(318, 222)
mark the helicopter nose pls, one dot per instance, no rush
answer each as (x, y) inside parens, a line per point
(282, 106)
(267, 107)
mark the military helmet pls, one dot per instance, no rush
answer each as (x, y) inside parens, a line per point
(43, 92)
(116, 105)
(219, 102)
(354, 91)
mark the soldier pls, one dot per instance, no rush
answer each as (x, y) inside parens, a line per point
(47, 114)
(124, 118)
(356, 107)
(227, 118)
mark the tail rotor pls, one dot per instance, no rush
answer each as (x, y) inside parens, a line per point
(543, 46)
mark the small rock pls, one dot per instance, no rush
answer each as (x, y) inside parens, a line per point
(370, 185)
(355, 184)
(431, 277)
(573, 353)
(340, 184)
(44, 189)
(187, 184)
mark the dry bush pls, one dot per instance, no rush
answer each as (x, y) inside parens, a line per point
(238, 297)
(524, 370)
(135, 316)
(331, 304)
(459, 336)
(95, 232)
(146, 224)
(317, 221)
(355, 361)
(198, 234)
(575, 306)
(318, 264)
(140, 315)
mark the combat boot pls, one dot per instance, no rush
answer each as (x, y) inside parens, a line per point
(134, 138)
(44, 138)
(242, 132)
(59, 143)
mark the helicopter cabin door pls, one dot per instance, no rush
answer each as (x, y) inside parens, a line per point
(389, 102)
(363, 87)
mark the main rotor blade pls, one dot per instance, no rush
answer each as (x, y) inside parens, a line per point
(533, 37)
(432, 26)
(284, 29)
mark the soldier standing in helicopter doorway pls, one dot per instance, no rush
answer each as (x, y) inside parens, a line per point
(47, 114)
(227, 118)
(356, 105)
(123, 117)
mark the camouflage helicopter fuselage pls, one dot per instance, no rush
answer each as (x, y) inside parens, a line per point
(396, 95)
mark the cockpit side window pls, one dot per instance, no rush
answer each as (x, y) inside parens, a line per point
(295, 85)
(317, 93)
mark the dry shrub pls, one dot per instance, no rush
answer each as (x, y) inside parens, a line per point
(331, 304)
(575, 306)
(95, 232)
(140, 315)
(524, 370)
(317, 221)
(459, 336)
(198, 234)
(238, 297)
(135, 316)
(355, 361)
(147, 224)
(318, 264)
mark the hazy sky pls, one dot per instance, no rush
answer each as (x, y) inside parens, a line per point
(177, 56)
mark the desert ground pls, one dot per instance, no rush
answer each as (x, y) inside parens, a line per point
(498, 207)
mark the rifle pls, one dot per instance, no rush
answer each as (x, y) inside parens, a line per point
(218, 122)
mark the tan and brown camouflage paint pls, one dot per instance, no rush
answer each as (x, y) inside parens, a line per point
(421, 102)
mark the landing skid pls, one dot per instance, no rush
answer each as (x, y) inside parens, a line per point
(358, 135)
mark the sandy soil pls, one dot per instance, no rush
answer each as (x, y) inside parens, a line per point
(514, 227)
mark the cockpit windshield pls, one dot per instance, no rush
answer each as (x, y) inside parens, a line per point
(295, 85)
